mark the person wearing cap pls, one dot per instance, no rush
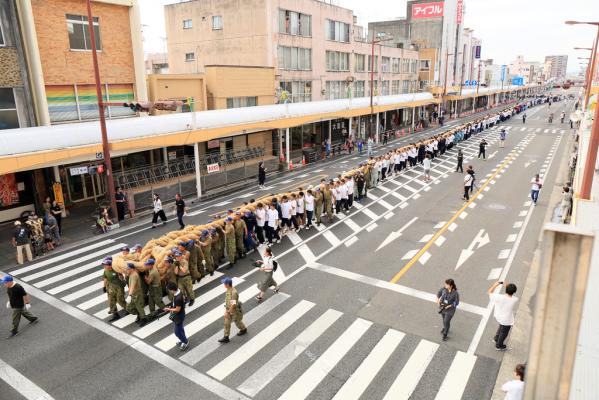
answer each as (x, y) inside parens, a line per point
(18, 301)
(177, 314)
(233, 311)
(136, 304)
(136, 255)
(183, 277)
(318, 204)
(169, 265)
(152, 279)
(230, 241)
(241, 232)
(196, 268)
(205, 245)
(126, 254)
(21, 240)
(114, 288)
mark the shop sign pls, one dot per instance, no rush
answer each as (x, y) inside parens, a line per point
(427, 10)
(460, 12)
(213, 168)
(79, 170)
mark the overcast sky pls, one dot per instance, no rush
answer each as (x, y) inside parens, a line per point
(533, 28)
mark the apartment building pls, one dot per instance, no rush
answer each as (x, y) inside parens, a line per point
(317, 49)
(557, 66)
(58, 50)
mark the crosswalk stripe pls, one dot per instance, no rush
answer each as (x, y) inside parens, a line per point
(294, 238)
(385, 204)
(306, 383)
(263, 376)
(71, 263)
(411, 373)
(72, 283)
(457, 377)
(372, 196)
(398, 196)
(197, 353)
(352, 225)
(383, 188)
(330, 236)
(83, 292)
(411, 189)
(368, 212)
(60, 257)
(224, 368)
(358, 382)
(306, 253)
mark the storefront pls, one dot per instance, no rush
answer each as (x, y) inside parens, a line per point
(17, 195)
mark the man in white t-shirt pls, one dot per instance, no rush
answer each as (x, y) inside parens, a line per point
(514, 389)
(505, 305)
(349, 184)
(272, 223)
(260, 221)
(537, 184)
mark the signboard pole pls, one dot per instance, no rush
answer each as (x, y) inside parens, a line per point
(196, 156)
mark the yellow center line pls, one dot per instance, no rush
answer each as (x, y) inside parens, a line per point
(428, 244)
(283, 190)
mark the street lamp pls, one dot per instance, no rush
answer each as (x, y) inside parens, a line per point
(101, 105)
(380, 37)
(589, 167)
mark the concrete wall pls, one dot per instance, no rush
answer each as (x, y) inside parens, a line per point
(224, 82)
(178, 86)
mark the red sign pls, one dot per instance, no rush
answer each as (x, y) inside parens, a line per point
(213, 168)
(460, 11)
(427, 10)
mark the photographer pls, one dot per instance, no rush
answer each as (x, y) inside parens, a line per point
(177, 314)
(448, 299)
(268, 266)
(504, 311)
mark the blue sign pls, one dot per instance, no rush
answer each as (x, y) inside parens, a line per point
(467, 83)
(518, 81)
(477, 52)
(503, 71)
(474, 83)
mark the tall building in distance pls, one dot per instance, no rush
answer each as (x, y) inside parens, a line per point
(557, 66)
(317, 49)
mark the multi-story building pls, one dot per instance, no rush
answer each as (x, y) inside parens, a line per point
(470, 58)
(434, 25)
(317, 49)
(58, 49)
(525, 69)
(558, 67)
(156, 63)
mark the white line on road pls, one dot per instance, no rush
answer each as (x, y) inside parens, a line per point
(517, 224)
(22, 384)
(452, 227)
(409, 254)
(457, 377)
(371, 227)
(494, 274)
(351, 241)
(440, 240)
(511, 238)
(503, 254)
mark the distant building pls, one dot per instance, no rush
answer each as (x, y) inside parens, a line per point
(558, 67)
(317, 49)
(156, 63)
(529, 70)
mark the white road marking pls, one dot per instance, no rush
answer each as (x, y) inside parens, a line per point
(358, 382)
(258, 341)
(263, 376)
(403, 205)
(395, 234)
(306, 254)
(523, 213)
(416, 196)
(452, 227)
(440, 240)
(21, 384)
(472, 205)
(61, 257)
(503, 254)
(330, 236)
(426, 238)
(517, 224)
(463, 215)
(487, 189)
(306, 383)
(511, 238)
(351, 241)
(411, 189)
(83, 292)
(371, 227)
(440, 224)
(479, 241)
(368, 212)
(389, 215)
(426, 189)
(385, 204)
(494, 274)
(424, 257)
(384, 189)
(352, 225)
(294, 238)
(409, 254)
(407, 380)
(457, 377)
(372, 196)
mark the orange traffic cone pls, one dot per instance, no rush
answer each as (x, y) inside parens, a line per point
(290, 165)
(303, 160)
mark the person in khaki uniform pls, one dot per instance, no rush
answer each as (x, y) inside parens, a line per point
(194, 261)
(183, 277)
(328, 200)
(127, 255)
(215, 248)
(233, 311)
(241, 232)
(113, 287)
(170, 274)
(152, 279)
(205, 244)
(136, 256)
(318, 203)
(136, 305)
(230, 242)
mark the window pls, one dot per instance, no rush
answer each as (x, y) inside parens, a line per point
(395, 87)
(293, 23)
(9, 118)
(385, 88)
(395, 65)
(337, 61)
(79, 38)
(359, 63)
(337, 90)
(190, 57)
(425, 65)
(405, 66)
(187, 24)
(237, 102)
(376, 63)
(337, 31)
(217, 22)
(413, 66)
(405, 86)
(294, 58)
(385, 64)
(359, 89)
(297, 91)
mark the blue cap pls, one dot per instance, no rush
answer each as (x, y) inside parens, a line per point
(177, 253)
(226, 281)
(6, 279)
(205, 232)
(169, 260)
(107, 261)
(230, 210)
(125, 248)
(138, 246)
(184, 244)
(212, 230)
(248, 214)
(229, 219)
(173, 249)
(191, 242)
(150, 261)
(130, 265)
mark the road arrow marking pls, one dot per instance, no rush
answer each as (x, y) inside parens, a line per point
(479, 241)
(492, 155)
(395, 234)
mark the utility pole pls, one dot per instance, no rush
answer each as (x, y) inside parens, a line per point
(105, 146)
(373, 42)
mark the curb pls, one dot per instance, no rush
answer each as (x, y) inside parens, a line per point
(519, 337)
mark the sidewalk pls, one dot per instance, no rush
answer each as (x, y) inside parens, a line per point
(80, 226)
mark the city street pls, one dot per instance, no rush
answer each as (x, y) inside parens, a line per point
(356, 317)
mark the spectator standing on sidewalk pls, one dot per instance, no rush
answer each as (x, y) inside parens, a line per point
(503, 311)
(18, 301)
(261, 174)
(20, 239)
(158, 211)
(121, 203)
(514, 389)
(56, 210)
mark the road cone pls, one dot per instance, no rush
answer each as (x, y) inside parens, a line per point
(303, 161)
(290, 165)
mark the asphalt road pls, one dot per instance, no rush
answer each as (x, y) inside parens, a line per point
(356, 316)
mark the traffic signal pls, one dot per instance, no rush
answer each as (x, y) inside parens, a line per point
(93, 170)
(101, 168)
